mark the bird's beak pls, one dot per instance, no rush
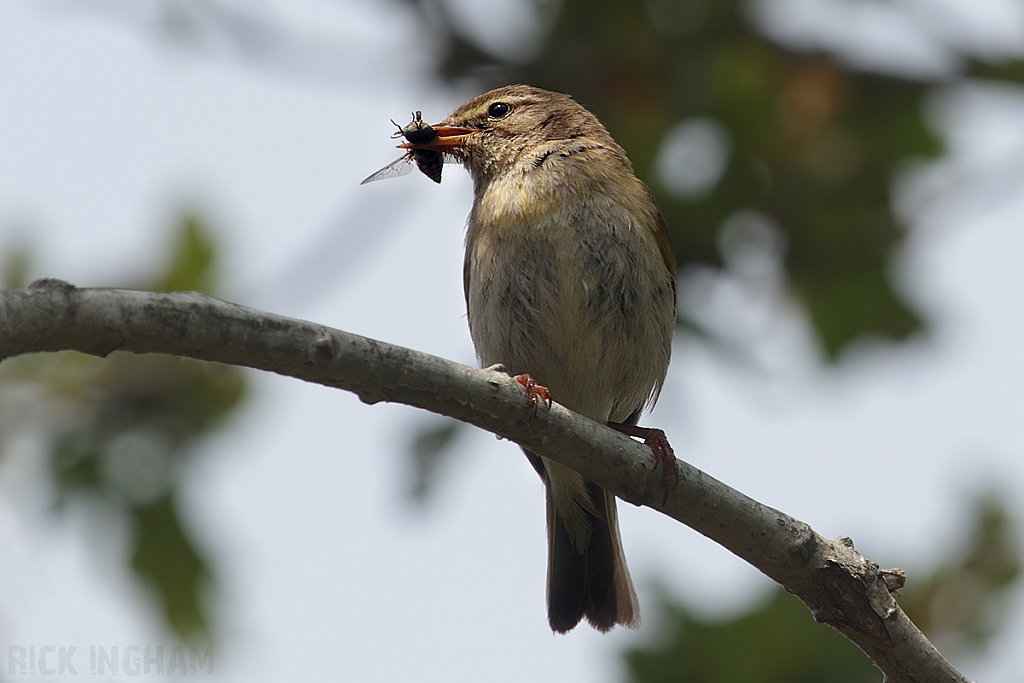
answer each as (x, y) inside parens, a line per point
(448, 138)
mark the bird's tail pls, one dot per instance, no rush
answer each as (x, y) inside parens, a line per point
(587, 574)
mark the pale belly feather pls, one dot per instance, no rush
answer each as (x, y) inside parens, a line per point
(581, 302)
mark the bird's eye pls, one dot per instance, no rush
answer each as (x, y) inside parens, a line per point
(498, 110)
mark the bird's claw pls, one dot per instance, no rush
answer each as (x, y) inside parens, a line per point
(534, 392)
(666, 457)
(656, 440)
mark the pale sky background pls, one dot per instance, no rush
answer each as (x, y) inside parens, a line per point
(324, 571)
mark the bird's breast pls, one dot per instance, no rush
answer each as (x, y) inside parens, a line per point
(566, 286)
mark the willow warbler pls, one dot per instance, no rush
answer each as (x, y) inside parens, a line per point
(569, 279)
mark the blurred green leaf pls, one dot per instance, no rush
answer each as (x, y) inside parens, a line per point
(813, 143)
(15, 267)
(777, 642)
(121, 427)
(1006, 69)
(192, 262)
(431, 446)
(166, 558)
(962, 603)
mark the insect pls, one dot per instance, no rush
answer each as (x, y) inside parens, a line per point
(429, 162)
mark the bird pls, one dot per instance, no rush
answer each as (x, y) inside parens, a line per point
(570, 286)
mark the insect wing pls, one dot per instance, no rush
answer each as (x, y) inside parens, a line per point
(399, 167)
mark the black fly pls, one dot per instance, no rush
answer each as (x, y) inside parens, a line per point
(429, 162)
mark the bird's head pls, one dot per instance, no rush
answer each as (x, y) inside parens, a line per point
(510, 127)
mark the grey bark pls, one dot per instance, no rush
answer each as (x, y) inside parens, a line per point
(841, 588)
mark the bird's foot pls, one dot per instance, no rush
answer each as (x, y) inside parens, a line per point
(535, 393)
(656, 440)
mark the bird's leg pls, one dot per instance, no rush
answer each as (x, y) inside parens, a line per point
(534, 392)
(656, 440)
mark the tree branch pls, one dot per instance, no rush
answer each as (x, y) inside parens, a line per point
(840, 587)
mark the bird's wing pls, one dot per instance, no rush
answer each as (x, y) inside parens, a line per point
(662, 237)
